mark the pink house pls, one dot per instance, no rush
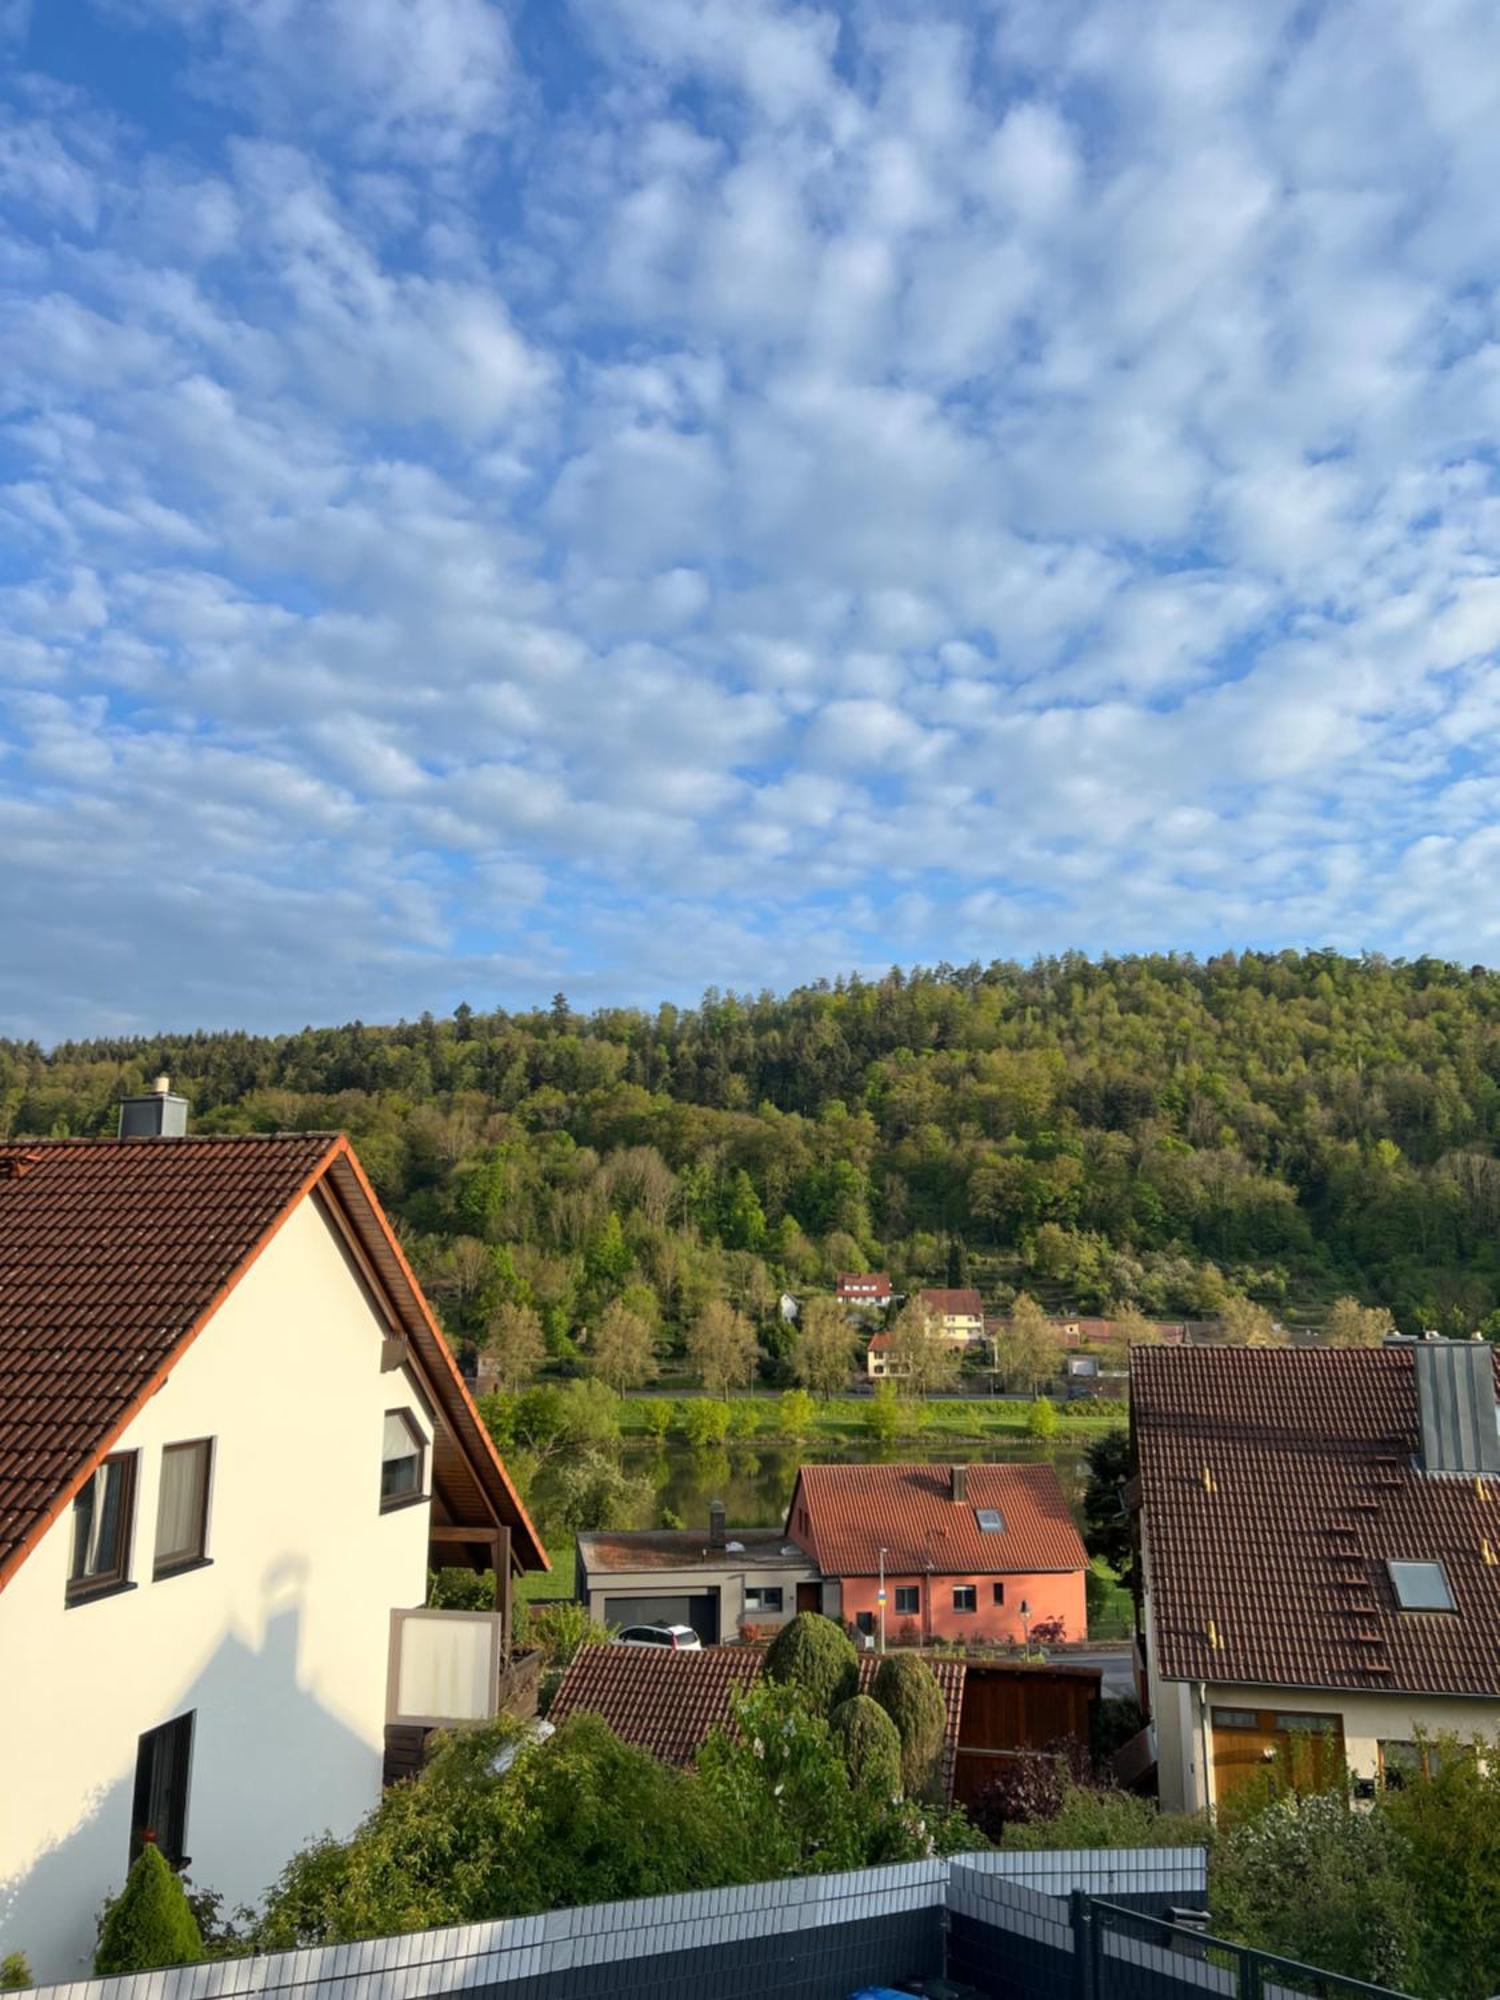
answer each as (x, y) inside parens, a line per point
(983, 1553)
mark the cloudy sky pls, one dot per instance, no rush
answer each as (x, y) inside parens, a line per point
(629, 495)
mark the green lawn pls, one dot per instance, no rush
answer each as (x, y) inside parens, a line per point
(556, 1582)
(971, 1419)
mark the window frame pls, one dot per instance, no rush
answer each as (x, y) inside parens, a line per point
(181, 1790)
(997, 1593)
(962, 1591)
(176, 1565)
(914, 1592)
(1411, 1563)
(392, 1503)
(760, 1592)
(105, 1583)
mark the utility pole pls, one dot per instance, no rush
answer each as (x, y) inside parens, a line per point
(880, 1600)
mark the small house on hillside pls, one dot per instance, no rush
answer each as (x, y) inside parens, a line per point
(232, 1441)
(869, 1290)
(955, 1315)
(984, 1553)
(1320, 1550)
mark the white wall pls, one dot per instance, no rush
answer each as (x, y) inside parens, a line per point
(280, 1645)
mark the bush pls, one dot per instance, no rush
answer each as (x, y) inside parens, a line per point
(1099, 1816)
(460, 1590)
(881, 1416)
(906, 1688)
(744, 1417)
(558, 1631)
(703, 1420)
(149, 1924)
(813, 1655)
(1029, 1786)
(794, 1414)
(1448, 1819)
(15, 1973)
(870, 1746)
(656, 1416)
(1041, 1418)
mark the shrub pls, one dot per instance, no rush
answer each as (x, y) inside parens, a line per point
(906, 1688)
(703, 1420)
(15, 1973)
(1041, 1418)
(870, 1746)
(744, 1417)
(1029, 1786)
(813, 1655)
(1099, 1816)
(881, 1416)
(794, 1414)
(460, 1590)
(149, 1924)
(1448, 1817)
(558, 1631)
(656, 1416)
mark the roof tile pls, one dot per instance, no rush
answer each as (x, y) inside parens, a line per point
(856, 1510)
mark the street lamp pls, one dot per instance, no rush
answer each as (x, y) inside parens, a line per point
(880, 1600)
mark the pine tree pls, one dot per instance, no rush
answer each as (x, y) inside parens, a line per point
(150, 1923)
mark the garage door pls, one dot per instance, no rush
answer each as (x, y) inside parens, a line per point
(702, 1613)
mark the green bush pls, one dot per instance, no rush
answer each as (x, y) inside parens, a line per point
(869, 1744)
(813, 1655)
(460, 1590)
(149, 1924)
(1448, 1820)
(794, 1414)
(558, 1631)
(744, 1417)
(1092, 1816)
(881, 1417)
(1041, 1418)
(703, 1420)
(907, 1689)
(15, 1973)
(656, 1416)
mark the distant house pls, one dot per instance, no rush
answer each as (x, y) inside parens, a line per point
(880, 1361)
(870, 1290)
(981, 1552)
(789, 1307)
(668, 1702)
(955, 1315)
(721, 1583)
(1320, 1551)
(232, 1441)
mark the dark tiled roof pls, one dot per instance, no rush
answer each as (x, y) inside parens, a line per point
(854, 1510)
(114, 1253)
(667, 1702)
(1276, 1485)
(687, 1548)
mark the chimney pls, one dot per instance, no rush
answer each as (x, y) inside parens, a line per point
(716, 1524)
(959, 1480)
(159, 1115)
(1456, 1405)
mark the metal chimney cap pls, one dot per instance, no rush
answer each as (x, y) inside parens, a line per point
(162, 1087)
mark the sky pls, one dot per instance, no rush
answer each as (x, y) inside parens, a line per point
(635, 495)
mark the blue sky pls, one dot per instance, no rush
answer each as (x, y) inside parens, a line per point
(644, 494)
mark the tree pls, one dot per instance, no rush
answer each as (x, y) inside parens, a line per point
(870, 1745)
(1447, 1817)
(1245, 1324)
(1026, 1345)
(622, 1351)
(657, 1417)
(1349, 1324)
(822, 1347)
(1041, 1418)
(779, 1774)
(593, 1491)
(815, 1656)
(704, 1422)
(722, 1349)
(512, 1344)
(920, 1358)
(794, 1414)
(881, 1416)
(907, 1689)
(150, 1923)
(1131, 1328)
(1106, 1525)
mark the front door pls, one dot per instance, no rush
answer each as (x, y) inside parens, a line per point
(809, 1597)
(1277, 1748)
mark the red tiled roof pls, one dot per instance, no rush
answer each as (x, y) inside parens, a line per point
(114, 1254)
(855, 1510)
(1311, 1489)
(967, 1303)
(667, 1702)
(865, 1281)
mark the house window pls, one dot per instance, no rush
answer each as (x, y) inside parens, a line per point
(1398, 1762)
(182, 1507)
(763, 1599)
(990, 1520)
(908, 1599)
(1421, 1586)
(163, 1762)
(102, 1525)
(965, 1597)
(999, 1592)
(403, 1460)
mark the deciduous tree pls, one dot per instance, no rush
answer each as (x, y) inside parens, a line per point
(722, 1348)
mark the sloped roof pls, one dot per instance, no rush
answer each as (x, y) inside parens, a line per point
(114, 1255)
(1276, 1485)
(855, 1510)
(667, 1702)
(967, 1303)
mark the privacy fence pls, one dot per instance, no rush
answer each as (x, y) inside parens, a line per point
(1064, 1926)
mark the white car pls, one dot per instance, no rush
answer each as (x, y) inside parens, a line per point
(681, 1638)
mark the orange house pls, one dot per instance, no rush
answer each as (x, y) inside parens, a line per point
(982, 1553)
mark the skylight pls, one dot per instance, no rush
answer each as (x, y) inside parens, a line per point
(990, 1521)
(1421, 1586)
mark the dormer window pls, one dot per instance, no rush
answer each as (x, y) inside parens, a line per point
(1421, 1586)
(403, 1461)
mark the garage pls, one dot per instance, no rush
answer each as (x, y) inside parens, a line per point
(701, 1612)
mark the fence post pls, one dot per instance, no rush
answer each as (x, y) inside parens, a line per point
(1085, 1962)
(1248, 1984)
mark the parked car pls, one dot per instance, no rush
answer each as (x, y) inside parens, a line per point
(682, 1638)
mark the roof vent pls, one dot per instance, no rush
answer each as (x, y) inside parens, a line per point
(1456, 1404)
(159, 1115)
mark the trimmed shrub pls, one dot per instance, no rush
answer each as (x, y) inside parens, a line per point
(906, 1688)
(813, 1655)
(150, 1923)
(1041, 1418)
(870, 1745)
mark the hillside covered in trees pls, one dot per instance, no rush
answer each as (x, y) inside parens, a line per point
(1152, 1130)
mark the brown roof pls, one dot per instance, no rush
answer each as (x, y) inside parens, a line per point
(686, 1548)
(1276, 1485)
(113, 1257)
(855, 1510)
(667, 1702)
(863, 1281)
(968, 1303)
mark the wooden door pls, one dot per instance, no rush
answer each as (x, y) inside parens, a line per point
(809, 1597)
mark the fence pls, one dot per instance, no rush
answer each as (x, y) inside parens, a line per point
(1131, 1955)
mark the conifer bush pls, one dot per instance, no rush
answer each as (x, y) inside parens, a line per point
(870, 1745)
(150, 1922)
(906, 1688)
(814, 1655)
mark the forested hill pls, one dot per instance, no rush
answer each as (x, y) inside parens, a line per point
(1146, 1129)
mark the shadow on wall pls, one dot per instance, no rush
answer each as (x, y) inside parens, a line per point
(271, 1769)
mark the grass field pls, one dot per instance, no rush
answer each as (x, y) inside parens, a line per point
(969, 1419)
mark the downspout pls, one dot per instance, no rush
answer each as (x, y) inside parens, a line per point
(1208, 1789)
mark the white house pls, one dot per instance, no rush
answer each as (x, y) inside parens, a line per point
(1320, 1559)
(231, 1441)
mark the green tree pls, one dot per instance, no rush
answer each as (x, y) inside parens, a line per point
(622, 1350)
(593, 1491)
(1041, 1418)
(907, 1689)
(149, 1924)
(869, 1744)
(607, 1261)
(919, 1355)
(794, 1414)
(512, 1344)
(822, 1347)
(1242, 1323)
(1447, 1817)
(722, 1349)
(816, 1657)
(1349, 1324)
(703, 1422)
(779, 1774)
(657, 1416)
(1026, 1349)
(881, 1416)
(1106, 1525)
